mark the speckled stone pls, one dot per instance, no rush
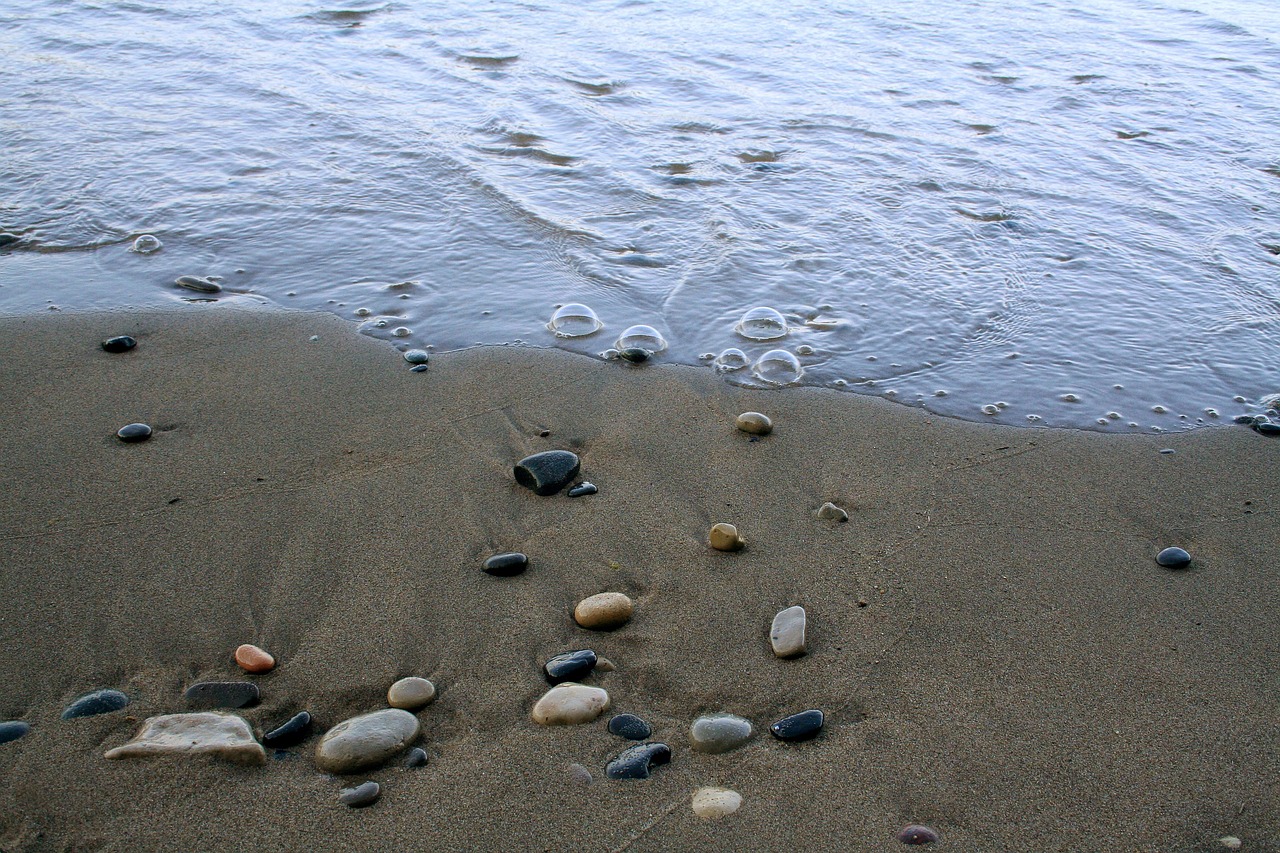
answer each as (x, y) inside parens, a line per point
(582, 490)
(570, 666)
(252, 659)
(548, 472)
(364, 794)
(119, 344)
(11, 730)
(715, 803)
(1173, 558)
(569, 704)
(830, 512)
(717, 733)
(754, 423)
(97, 702)
(724, 537)
(634, 355)
(411, 693)
(798, 727)
(917, 834)
(222, 694)
(637, 762)
(505, 565)
(787, 635)
(366, 741)
(580, 774)
(291, 732)
(604, 611)
(629, 726)
(208, 733)
(133, 432)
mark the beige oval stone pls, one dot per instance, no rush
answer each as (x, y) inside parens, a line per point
(604, 611)
(366, 740)
(715, 803)
(568, 703)
(787, 633)
(754, 423)
(253, 659)
(724, 537)
(222, 735)
(411, 693)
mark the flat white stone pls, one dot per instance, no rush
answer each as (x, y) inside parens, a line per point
(715, 803)
(222, 735)
(366, 740)
(787, 634)
(569, 703)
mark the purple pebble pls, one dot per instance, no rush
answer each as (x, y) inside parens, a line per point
(917, 834)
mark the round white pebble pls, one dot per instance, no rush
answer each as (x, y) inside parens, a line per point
(715, 803)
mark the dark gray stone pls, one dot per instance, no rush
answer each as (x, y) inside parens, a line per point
(1173, 558)
(629, 726)
(134, 432)
(418, 368)
(797, 727)
(1267, 428)
(120, 343)
(222, 694)
(547, 472)
(97, 702)
(917, 834)
(636, 762)
(583, 489)
(417, 757)
(505, 565)
(198, 284)
(570, 666)
(364, 794)
(12, 730)
(634, 355)
(417, 356)
(291, 732)
(7, 239)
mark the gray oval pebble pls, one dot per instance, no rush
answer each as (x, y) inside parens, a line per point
(12, 730)
(417, 356)
(417, 757)
(133, 432)
(222, 694)
(583, 489)
(548, 472)
(364, 794)
(97, 702)
(198, 284)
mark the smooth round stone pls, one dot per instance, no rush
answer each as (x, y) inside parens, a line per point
(12, 730)
(629, 726)
(787, 633)
(250, 658)
(411, 693)
(717, 733)
(505, 565)
(364, 794)
(569, 704)
(366, 741)
(292, 732)
(418, 368)
(724, 537)
(120, 343)
(134, 432)
(570, 666)
(917, 834)
(547, 472)
(715, 803)
(97, 702)
(583, 489)
(198, 284)
(754, 423)
(417, 356)
(1173, 558)
(222, 694)
(830, 512)
(636, 762)
(797, 727)
(603, 611)
(417, 757)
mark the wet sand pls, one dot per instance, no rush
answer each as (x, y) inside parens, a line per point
(997, 652)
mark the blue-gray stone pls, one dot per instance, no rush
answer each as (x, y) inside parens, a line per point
(134, 432)
(583, 489)
(12, 730)
(417, 757)
(416, 356)
(636, 762)
(365, 794)
(797, 727)
(570, 666)
(97, 702)
(291, 732)
(629, 726)
(1173, 558)
(505, 565)
(547, 472)
(120, 343)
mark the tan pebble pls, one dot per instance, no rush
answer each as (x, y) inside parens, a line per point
(715, 803)
(253, 659)
(604, 665)
(755, 423)
(604, 611)
(724, 537)
(580, 774)
(411, 693)
(569, 703)
(831, 512)
(787, 633)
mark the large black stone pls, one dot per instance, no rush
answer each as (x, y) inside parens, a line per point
(222, 694)
(134, 432)
(570, 666)
(120, 343)
(1173, 558)
(798, 727)
(293, 731)
(97, 702)
(630, 727)
(636, 762)
(547, 472)
(12, 730)
(1266, 427)
(505, 565)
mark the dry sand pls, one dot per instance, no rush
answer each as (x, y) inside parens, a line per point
(997, 652)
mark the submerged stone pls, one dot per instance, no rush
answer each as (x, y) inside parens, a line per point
(222, 694)
(198, 284)
(1173, 558)
(411, 693)
(291, 732)
(583, 489)
(787, 633)
(364, 794)
(120, 343)
(634, 355)
(505, 565)
(798, 727)
(12, 730)
(570, 666)
(8, 239)
(568, 704)
(636, 762)
(715, 803)
(717, 733)
(366, 741)
(548, 472)
(133, 432)
(97, 702)
(604, 611)
(1266, 427)
(917, 834)
(629, 726)
(418, 368)
(222, 735)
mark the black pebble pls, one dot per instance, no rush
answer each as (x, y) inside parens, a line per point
(798, 727)
(630, 727)
(917, 834)
(505, 565)
(292, 732)
(570, 666)
(635, 355)
(121, 343)
(222, 694)
(1173, 558)
(364, 794)
(12, 730)
(583, 489)
(97, 702)
(417, 757)
(1267, 428)
(134, 432)
(635, 762)
(547, 472)
(418, 368)
(1248, 420)
(7, 239)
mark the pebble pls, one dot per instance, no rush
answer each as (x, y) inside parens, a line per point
(724, 537)
(754, 423)
(605, 665)
(830, 512)
(198, 284)
(570, 666)
(12, 730)
(293, 731)
(583, 489)
(1168, 451)
(417, 356)
(1230, 842)
(505, 565)
(97, 702)
(364, 794)
(580, 774)
(250, 658)
(1173, 558)
(418, 368)
(715, 803)
(548, 472)
(1266, 428)
(917, 834)
(7, 239)
(568, 704)
(411, 693)
(787, 633)
(417, 757)
(223, 735)
(636, 762)
(134, 432)
(634, 355)
(629, 726)
(120, 343)
(717, 733)
(797, 727)
(603, 611)
(366, 741)
(222, 694)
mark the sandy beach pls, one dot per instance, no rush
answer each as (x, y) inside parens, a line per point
(995, 649)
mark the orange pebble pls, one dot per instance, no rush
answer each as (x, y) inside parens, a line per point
(254, 659)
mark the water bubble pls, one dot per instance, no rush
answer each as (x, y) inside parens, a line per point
(641, 337)
(363, 312)
(1115, 416)
(1213, 413)
(609, 355)
(1103, 422)
(731, 359)
(401, 331)
(1002, 405)
(146, 244)
(1070, 398)
(574, 320)
(381, 324)
(990, 410)
(777, 367)
(1237, 398)
(940, 393)
(762, 324)
(840, 383)
(1034, 418)
(804, 349)
(1159, 410)
(707, 356)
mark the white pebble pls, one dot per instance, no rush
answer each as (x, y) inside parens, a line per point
(715, 803)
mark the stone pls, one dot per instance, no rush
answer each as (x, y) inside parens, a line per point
(250, 658)
(636, 762)
(604, 611)
(12, 730)
(505, 565)
(580, 774)
(569, 704)
(8, 239)
(548, 472)
(604, 665)
(1173, 558)
(798, 727)
(133, 432)
(366, 741)
(222, 694)
(629, 726)
(120, 343)
(787, 633)
(717, 733)
(97, 702)
(634, 355)
(917, 834)
(417, 757)
(1266, 428)
(754, 423)
(570, 666)
(418, 368)
(291, 732)
(724, 537)
(364, 794)
(830, 512)
(715, 803)
(411, 693)
(417, 356)
(221, 735)
(582, 490)
(198, 283)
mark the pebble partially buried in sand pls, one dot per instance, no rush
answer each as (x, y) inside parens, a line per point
(604, 611)
(715, 803)
(411, 693)
(569, 704)
(366, 741)
(724, 537)
(754, 423)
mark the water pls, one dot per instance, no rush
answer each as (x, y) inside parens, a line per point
(1052, 211)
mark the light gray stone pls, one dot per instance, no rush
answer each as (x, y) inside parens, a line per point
(411, 693)
(715, 803)
(830, 512)
(569, 703)
(222, 735)
(716, 733)
(366, 741)
(787, 633)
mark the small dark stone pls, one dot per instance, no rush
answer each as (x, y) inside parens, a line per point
(1173, 558)
(1168, 451)
(290, 733)
(505, 565)
(198, 284)
(799, 727)
(570, 666)
(583, 489)
(120, 343)
(1267, 428)
(12, 730)
(630, 727)
(417, 757)
(7, 239)
(222, 694)
(134, 432)
(1248, 420)
(917, 834)
(364, 794)
(417, 356)
(544, 433)
(97, 702)
(418, 368)
(635, 355)
(635, 762)
(547, 472)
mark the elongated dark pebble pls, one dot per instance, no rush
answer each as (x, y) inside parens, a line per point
(7, 239)
(134, 432)
(636, 762)
(1267, 428)
(291, 732)
(1248, 420)
(97, 702)
(570, 666)
(547, 472)
(583, 489)
(364, 794)
(120, 343)
(917, 834)
(1173, 558)
(222, 694)
(198, 284)
(505, 565)
(629, 726)
(797, 727)
(12, 730)
(417, 757)
(418, 368)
